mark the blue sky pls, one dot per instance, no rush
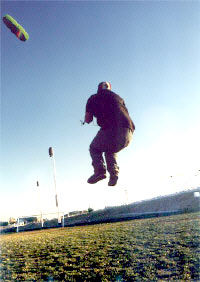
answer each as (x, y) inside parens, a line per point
(149, 51)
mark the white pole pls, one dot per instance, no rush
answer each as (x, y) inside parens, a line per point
(51, 154)
(17, 224)
(126, 196)
(63, 220)
(40, 203)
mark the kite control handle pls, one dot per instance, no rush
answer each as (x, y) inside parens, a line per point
(82, 122)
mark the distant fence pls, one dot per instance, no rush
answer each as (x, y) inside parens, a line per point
(91, 219)
(40, 221)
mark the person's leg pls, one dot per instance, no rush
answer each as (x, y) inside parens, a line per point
(112, 167)
(109, 141)
(122, 139)
(111, 161)
(96, 151)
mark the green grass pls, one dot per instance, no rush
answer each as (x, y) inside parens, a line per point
(159, 249)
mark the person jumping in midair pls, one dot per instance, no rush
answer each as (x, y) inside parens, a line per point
(114, 135)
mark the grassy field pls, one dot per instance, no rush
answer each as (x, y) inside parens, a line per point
(158, 249)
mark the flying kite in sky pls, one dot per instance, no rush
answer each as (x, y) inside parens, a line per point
(15, 28)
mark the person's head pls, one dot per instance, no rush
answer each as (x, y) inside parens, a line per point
(104, 86)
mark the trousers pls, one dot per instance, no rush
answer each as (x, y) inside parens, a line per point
(108, 142)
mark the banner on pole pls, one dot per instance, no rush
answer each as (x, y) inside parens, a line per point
(50, 151)
(56, 201)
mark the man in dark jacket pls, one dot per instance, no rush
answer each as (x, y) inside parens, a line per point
(115, 134)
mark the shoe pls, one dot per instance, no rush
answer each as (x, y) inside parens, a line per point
(96, 177)
(113, 180)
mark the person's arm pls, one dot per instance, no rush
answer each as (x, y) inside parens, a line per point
(88, 117)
